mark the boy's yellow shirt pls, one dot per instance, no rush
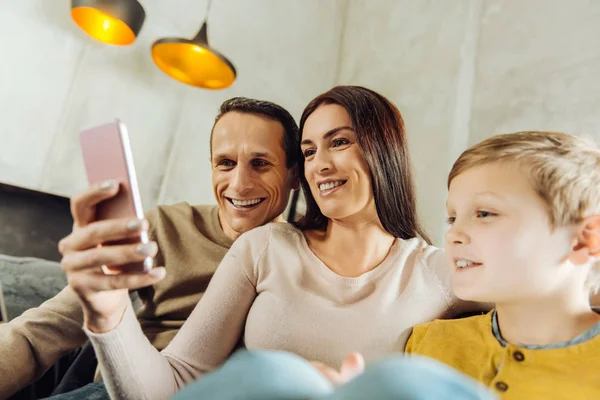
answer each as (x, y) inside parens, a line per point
(513, 372)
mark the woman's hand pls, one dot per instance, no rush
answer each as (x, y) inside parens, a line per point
(103, 297)
(353, 365)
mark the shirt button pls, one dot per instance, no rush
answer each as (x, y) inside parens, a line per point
(518, 356)
(501, 386)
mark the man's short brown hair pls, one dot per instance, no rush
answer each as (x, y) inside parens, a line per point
(266, 109)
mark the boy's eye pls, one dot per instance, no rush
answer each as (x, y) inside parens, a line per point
(450, 220)
(484, 214)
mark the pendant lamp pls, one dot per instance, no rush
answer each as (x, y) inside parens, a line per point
(193, 61)
(116, 22)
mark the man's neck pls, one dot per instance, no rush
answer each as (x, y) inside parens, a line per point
(546, 321)
(232, 234)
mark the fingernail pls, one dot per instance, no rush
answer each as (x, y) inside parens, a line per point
(157, 272)
(109, 185)
(136, 225)
(146, 249)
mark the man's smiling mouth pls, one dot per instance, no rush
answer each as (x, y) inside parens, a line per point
(246, 203)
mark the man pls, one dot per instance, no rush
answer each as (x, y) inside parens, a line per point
(254, 157)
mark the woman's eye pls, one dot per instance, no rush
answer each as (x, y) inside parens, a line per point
(308, 152)
(339, 142)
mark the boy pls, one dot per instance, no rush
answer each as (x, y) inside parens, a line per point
(524, 215)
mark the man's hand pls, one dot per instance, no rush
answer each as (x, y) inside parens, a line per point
(353, 365)
(104, 298)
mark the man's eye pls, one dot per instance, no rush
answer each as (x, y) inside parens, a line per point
(259, 163)
(226, 163)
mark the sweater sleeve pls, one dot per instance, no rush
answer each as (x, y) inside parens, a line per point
(133, 369)
(437, 264)
(31, 343)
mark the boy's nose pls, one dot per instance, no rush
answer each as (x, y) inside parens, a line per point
(455, 235)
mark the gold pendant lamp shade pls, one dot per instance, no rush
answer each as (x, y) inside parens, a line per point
(116, 22)
(193, 61)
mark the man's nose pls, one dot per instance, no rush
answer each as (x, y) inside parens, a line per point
(242, 179)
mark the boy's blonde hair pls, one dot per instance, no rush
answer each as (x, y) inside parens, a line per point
(564, 171)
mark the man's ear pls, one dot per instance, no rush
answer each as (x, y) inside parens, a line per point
(587, 244)
(296, 184)
(294, 176)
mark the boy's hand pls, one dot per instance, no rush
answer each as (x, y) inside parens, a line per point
(353, 365)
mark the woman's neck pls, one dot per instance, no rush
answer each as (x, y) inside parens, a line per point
(351, 248)
(547, 321)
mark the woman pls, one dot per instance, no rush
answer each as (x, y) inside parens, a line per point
(356, 276)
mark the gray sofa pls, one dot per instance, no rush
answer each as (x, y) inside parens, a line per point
(27, 282)
(31, 224)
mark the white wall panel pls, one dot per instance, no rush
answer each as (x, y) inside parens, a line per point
(538, 68)
(38, 60)
(410, 51)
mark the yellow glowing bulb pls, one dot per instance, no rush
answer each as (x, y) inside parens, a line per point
(189, 63)
(102, 26)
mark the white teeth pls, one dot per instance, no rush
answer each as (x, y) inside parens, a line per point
(241, 203)
(463, 263)
(330, 185)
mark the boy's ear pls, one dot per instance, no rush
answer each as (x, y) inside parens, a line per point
(587, 244)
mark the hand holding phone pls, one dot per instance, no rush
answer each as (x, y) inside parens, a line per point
(107, 156)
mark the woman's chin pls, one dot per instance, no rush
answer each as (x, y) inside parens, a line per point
(334, 213)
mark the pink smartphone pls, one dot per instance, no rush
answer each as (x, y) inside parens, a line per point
(107, 155)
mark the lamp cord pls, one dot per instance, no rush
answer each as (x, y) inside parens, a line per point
(208, 9)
